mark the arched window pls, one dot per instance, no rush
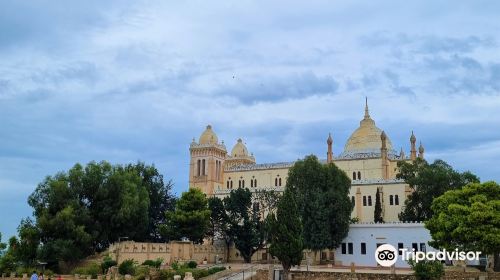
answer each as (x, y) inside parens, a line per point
(279, 180)
(391, 200)
(275, 182)
(396, 200)
(199, 167)
(242, 183)
(359, 175)
(354, 175)
(251, 183)
(203, 167)
(239, 184)
(227, 184)
(369, 200)
(231, 184)
(364, 200)
(255, 183)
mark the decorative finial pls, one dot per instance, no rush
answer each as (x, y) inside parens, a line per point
(412, 137)
(209, 127)
(367, 113)
(329, 141)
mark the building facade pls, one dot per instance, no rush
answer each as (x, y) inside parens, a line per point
(368, 159)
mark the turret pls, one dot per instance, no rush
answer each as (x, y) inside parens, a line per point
(329, 154)
(421, 151)
(413, 150)
(383, 154)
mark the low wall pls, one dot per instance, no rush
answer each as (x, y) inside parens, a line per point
(450, 275)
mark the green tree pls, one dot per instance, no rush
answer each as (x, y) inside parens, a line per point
(324, 205)
(427, 270)
(3, 246)
(267, 199)
(428, 181)
(377, 213)
(468, 219)
(191, 217)
(26, 248)
(246, 228)
(285, 233)
(219, 223)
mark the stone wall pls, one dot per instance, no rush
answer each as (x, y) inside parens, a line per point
(303, 275)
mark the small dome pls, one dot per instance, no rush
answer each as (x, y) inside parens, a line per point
(208, 136)
(412, 137)
(239, 150)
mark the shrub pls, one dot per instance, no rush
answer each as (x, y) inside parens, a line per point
(427, 270)
(92, 269)
(127, 267)
(175, 265)
(192, 264)
(215, 269)
(107, 262)
(156, 263)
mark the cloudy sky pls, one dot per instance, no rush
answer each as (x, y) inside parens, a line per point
(136, 80)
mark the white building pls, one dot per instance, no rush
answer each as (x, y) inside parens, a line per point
(364, 238)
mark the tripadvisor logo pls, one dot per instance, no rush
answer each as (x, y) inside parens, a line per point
(386, 255)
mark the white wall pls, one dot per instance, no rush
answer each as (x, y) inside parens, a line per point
(389, 233)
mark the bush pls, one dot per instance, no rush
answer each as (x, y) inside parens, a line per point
(215, 269)
(107, 262)
(192, 264)
(127, 267)
(427, 270)
(92, 269)
(156, 264)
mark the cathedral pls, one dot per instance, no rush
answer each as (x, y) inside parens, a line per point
(368, 159)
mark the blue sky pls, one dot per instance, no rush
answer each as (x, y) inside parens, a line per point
(136, 80)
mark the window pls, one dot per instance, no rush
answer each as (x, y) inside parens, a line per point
(349, 248)
(353, 201)
(255, 183)
(363, 248)
(400, 247)
(369, 200)
(354, 175)
(344, 251)
(391, 200)
(414, 246)
(396, 200)
(279, 180)
(227, 184)
(251, 183)
(199, 167)
(239, 184)
(275, 182)
(231, 184)
(422, 247)
(203, 167)
(359, 175)
(364, 200)
(243, 183)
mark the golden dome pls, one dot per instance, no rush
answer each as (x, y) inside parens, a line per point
(367, 138)
(208, 136)
(239, 149)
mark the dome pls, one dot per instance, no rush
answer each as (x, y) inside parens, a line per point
(239, 149)
(208, 136)
(367, 138)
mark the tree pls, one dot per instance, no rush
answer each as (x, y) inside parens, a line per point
(285, 233)
(191, 217)
(246, 228)
(267, 199)
(377, 214)
(428, 181)
(468, 219)
(26, 248)
(87, 208)
(2, 246)
(324, 205)
(219, 223)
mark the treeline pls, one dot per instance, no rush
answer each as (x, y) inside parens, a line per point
(84, 210)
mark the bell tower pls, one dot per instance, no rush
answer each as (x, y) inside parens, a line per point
(206, 167)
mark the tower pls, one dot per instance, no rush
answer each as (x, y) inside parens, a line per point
(329, 154)
(421, 151)
(383, 154)
(413, 150)
(206, 167)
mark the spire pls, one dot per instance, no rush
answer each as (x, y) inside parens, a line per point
(421, 150)
(367, 113)
(402, 153)
(413, 149)
(329, 154)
